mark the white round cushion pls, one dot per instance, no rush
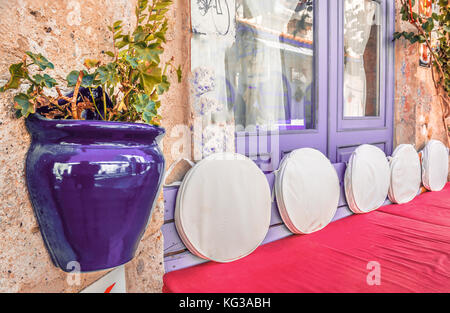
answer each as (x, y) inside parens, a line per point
(434, 165)
(223, 207)
(307, 191)
(405, 174)
(366, 179)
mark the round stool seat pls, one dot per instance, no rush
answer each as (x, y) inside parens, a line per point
(434, 165)
(307, 191)
(367, 179)
(223, 207)
(405, 174)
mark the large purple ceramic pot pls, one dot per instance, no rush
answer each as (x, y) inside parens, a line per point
(93, 186)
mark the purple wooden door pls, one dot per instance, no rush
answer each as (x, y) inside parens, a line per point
(360, 77)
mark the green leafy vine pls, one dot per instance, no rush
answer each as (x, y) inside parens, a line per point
(439, 25)
(133, 80)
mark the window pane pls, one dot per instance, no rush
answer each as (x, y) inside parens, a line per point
(361, 57)
(270, 64)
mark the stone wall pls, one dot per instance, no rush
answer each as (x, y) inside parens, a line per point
(67, 32)
(418, 113)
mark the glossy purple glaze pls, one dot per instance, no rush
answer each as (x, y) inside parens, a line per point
(93, 186)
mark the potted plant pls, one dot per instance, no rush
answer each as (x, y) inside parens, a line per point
(94, 168)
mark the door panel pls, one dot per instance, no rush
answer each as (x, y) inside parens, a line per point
(347, 133)
(344, 153)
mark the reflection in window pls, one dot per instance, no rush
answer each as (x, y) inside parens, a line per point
(361, 57)
(270, 65)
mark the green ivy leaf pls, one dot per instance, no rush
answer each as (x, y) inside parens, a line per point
(132, 61)
(40, 60)
(109, 53)
(149, 82)
(72, 78)
(17, 72)
(117, 24)
(163, 86)
(146, 107)
(125, 40)
(142, 103)
(163, 4)
(23, 105)
(139, 34)
(161, 35)
(88, 80)
(45, 80)
(150, 53)
(141, 6)
(107, 74)
(428, 25)
(90, 63)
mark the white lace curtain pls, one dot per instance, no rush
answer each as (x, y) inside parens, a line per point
(258, 62)
(360, 16)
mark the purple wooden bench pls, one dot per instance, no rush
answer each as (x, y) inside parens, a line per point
(177, 256)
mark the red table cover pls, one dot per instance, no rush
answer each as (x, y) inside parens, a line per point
(410, 242)
(431, 207)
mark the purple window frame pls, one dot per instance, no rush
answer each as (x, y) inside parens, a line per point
(290, 140)
(334, 135)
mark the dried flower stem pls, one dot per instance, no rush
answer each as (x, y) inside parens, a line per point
(75, 96)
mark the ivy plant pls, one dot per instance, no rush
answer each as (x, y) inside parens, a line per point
(439, 24)
(130, 84)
